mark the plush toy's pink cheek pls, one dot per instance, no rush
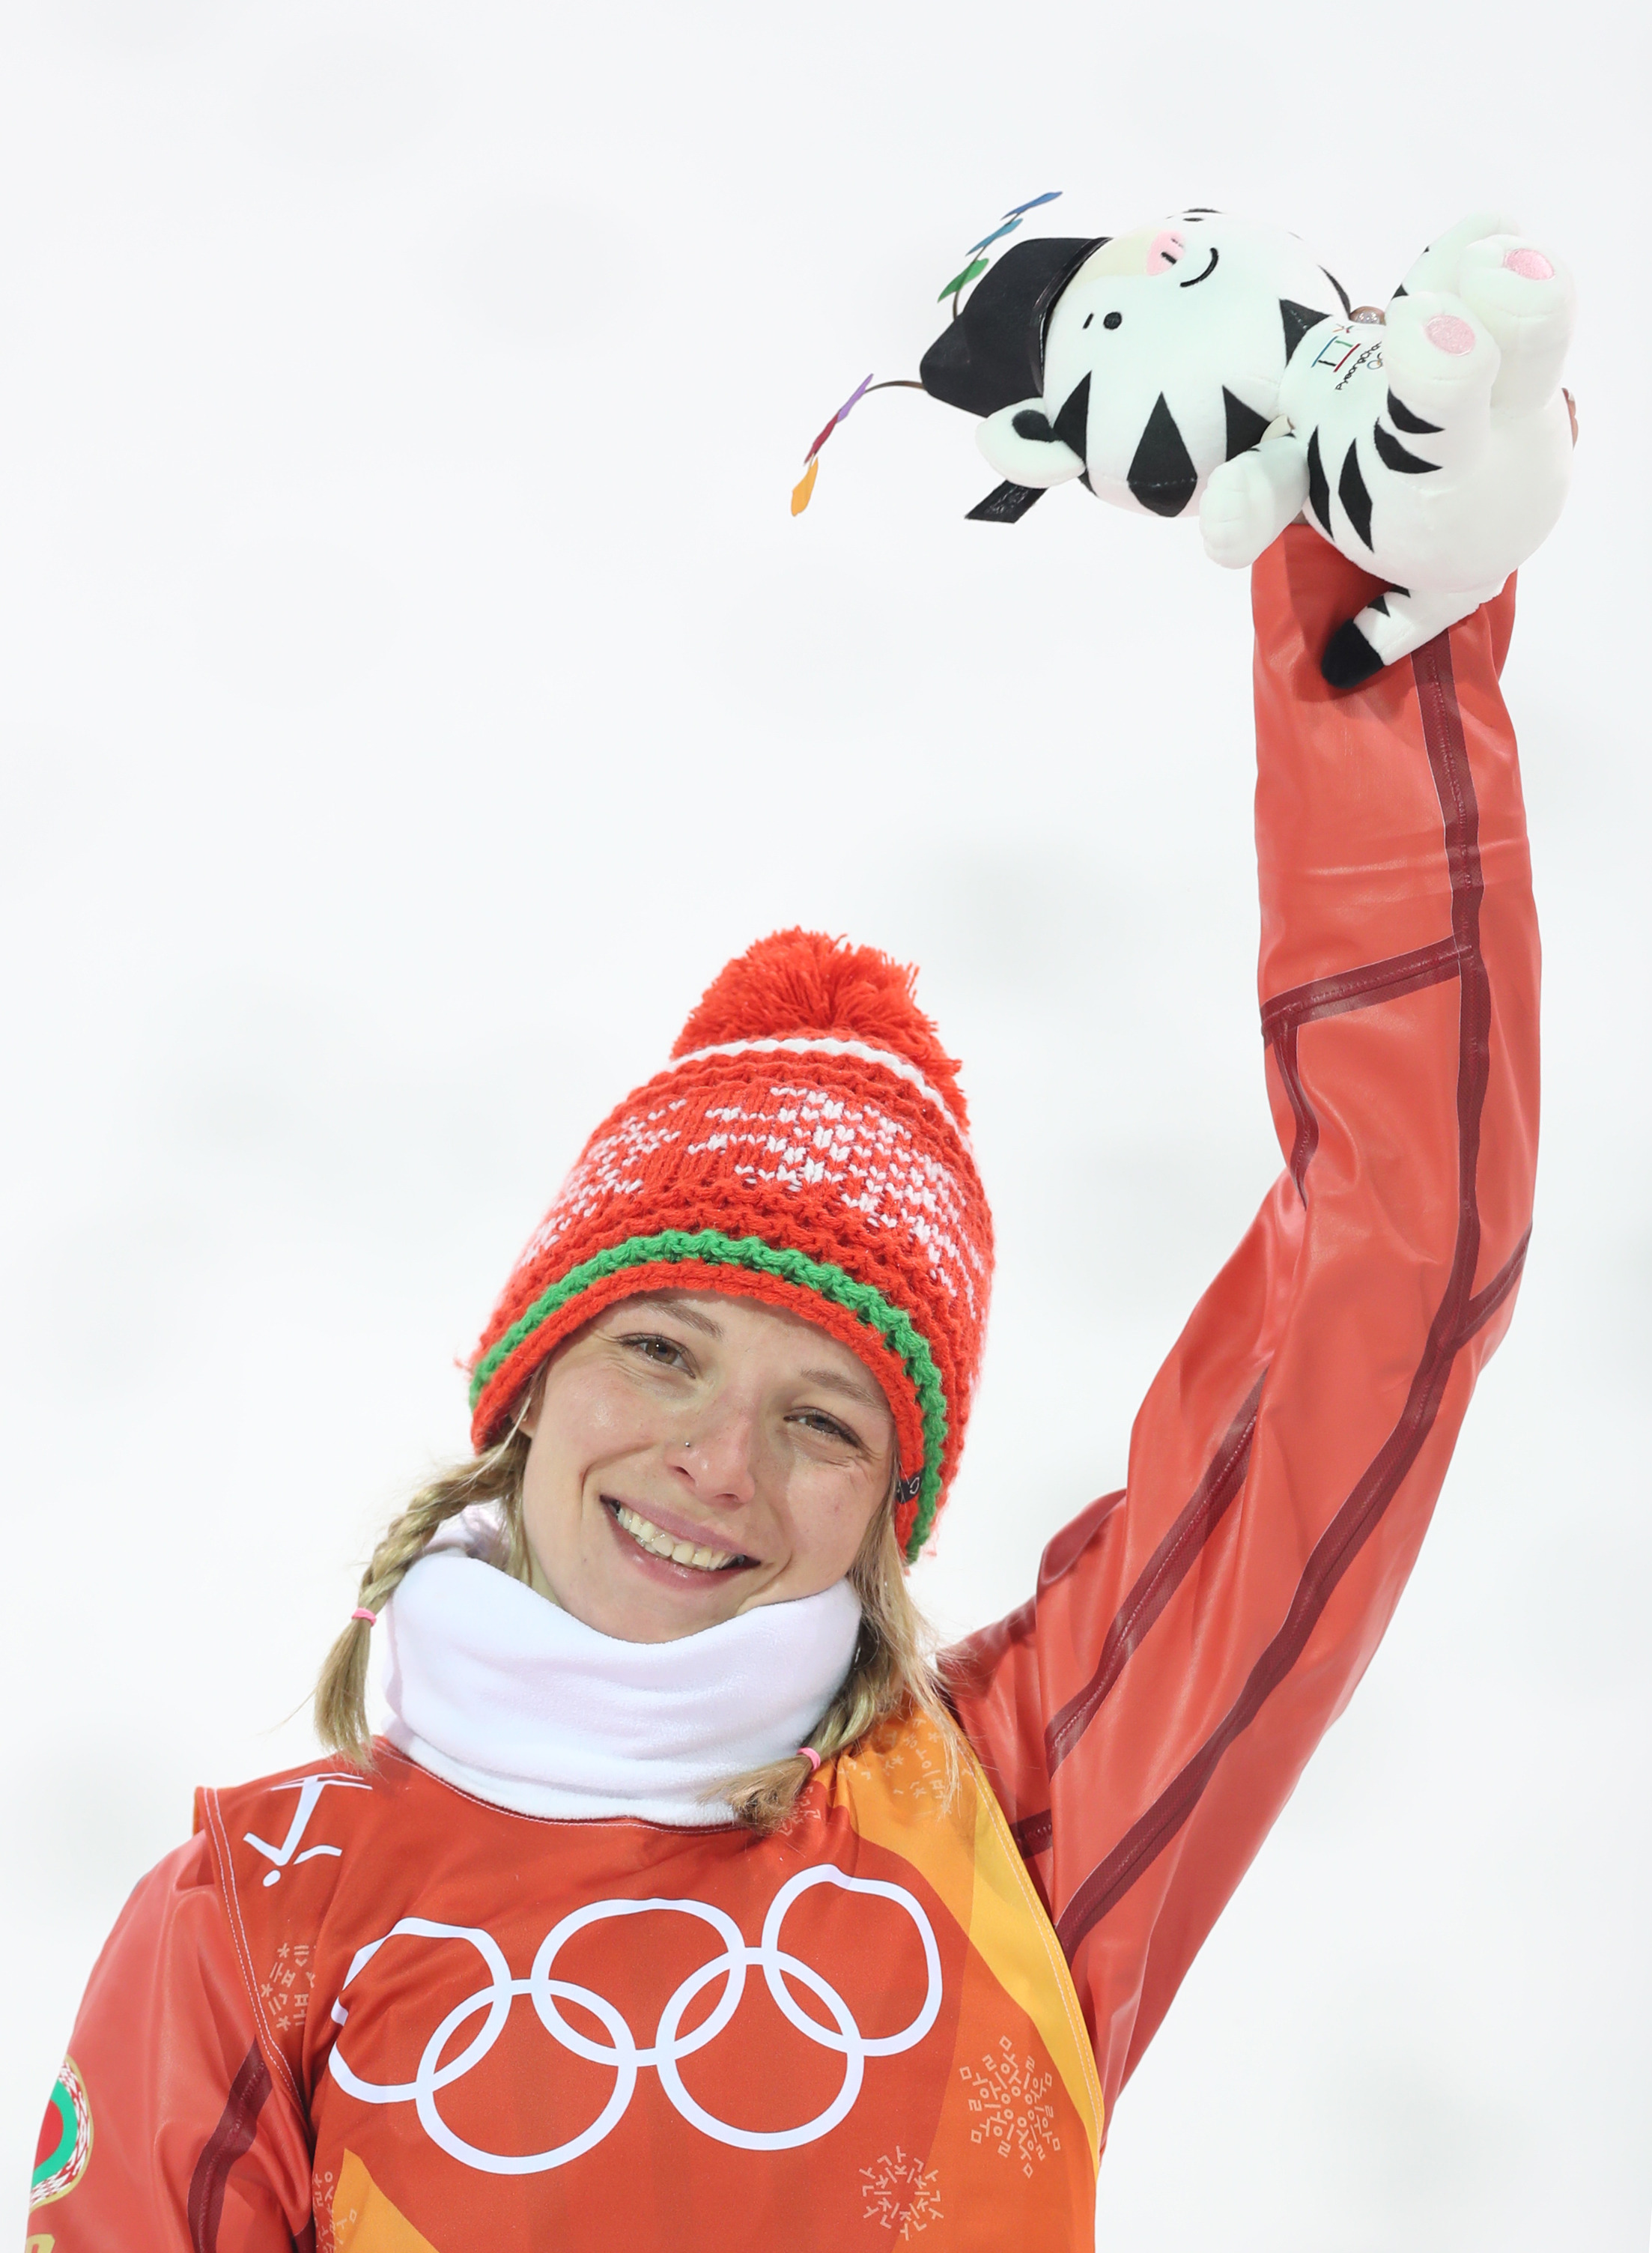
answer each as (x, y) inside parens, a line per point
(1449, 334)
(1530, 264)
(1164, 250)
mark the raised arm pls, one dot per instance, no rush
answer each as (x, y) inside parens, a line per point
(191, 2146)
(1147, 1715)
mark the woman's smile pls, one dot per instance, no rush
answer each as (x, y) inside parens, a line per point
(694, 1455)
(664, 1539)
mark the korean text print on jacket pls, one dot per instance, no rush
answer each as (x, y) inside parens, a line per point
(470, 2025)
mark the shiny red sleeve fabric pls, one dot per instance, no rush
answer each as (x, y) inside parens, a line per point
(1147, 1715)
(194, 2148)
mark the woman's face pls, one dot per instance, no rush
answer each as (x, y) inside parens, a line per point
(693, 1455)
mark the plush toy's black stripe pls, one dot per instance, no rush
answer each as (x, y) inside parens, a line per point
(1318, 493)
(1348, 303)
(1402, 418)
(1350, 491)
(1162, 476)
(1394, 455)
(1072, 424)
(1348, 657)
(1379, 604)
(1245, 426)
(1298, 320)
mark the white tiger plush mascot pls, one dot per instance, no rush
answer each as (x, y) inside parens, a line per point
(1137, 362)
(1431, 443)
(1204, 355)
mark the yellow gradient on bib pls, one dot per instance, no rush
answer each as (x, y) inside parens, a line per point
(969, 1858)
(364, 2219)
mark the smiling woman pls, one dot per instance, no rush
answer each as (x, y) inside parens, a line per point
(693, 1455)
(679, 1425)
(684, 1459)
(685, 1901)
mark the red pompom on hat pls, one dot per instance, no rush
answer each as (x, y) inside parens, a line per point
(808, 1145)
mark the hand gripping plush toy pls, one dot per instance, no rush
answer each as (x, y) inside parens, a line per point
(1207, 355)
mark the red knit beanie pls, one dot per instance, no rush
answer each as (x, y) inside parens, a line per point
(808, 1145)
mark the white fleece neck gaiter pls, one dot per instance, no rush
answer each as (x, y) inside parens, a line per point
(496, 1690)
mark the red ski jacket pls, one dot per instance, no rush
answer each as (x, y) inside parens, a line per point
(424, 2022)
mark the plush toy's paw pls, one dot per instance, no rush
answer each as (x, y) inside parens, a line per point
(1441, 364)
(1439, 266)
(1021, 445)
(1514, 286)
(1248, 502)
(1523, 298)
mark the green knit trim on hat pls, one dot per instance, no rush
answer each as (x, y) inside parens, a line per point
(710, 1245)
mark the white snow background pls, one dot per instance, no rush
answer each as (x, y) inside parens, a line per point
(415, 687)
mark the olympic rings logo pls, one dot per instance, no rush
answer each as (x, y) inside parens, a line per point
(669, 2046)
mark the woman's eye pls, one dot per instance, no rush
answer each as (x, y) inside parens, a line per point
(664, 1352)
(828, 1428)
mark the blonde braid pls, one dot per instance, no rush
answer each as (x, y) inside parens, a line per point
(495, 1476)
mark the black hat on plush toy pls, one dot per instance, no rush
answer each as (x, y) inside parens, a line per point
(992, 352)
(1140, 422)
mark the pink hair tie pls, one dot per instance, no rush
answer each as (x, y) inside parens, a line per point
(361, 1612)
(808, 1753)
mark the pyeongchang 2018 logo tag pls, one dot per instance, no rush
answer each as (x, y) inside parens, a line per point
(803, 1993)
